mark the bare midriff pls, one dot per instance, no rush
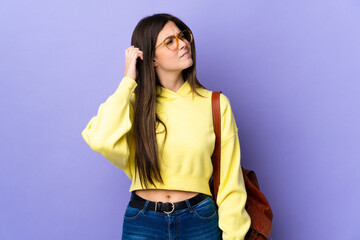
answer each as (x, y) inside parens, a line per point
(162, 195)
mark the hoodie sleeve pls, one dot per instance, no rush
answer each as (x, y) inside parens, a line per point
(108, 132)
(234, 221)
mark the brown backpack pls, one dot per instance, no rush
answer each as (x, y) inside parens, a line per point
(256, 204)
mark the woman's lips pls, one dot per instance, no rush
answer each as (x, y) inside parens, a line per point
(185, 54)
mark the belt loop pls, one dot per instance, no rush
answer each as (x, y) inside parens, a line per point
(189, 206)
(145, 206)
(156, 203)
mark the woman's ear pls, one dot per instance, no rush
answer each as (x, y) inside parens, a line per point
(155, 63)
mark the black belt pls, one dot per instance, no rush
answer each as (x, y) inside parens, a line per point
(138, 202)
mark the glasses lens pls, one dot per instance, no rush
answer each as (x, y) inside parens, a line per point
(186, 35)
(170, 42)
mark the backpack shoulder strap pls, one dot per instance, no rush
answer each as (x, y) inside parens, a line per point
(217, 151)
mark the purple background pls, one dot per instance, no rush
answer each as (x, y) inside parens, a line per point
(290, 69)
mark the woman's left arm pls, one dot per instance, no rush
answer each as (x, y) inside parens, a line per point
(234, 221)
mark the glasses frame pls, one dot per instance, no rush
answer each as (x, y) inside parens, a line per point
(177, 40)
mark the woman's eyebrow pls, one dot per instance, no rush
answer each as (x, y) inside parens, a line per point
(173, 35)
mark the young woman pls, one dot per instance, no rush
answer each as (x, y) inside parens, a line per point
(157, 127)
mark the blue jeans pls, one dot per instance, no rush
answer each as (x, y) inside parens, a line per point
(198, 222)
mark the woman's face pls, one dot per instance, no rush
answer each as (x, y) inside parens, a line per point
(166, 60)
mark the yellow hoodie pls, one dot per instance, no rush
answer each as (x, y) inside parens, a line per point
(185, 163)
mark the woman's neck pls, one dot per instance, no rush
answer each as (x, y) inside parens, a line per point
(172, 82)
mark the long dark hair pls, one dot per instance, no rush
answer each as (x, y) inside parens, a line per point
(145, 118)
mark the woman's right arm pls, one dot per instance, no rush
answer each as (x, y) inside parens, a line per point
(108, 132)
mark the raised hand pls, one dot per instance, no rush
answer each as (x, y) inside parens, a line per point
(131, 54)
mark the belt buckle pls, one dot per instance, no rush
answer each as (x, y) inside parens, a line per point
(173, 208)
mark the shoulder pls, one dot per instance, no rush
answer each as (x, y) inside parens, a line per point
(228, 123)
(225, 106)
(224, 100)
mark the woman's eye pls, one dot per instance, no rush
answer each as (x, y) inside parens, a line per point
(169, 42)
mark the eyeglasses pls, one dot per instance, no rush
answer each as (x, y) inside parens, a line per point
(172, 42)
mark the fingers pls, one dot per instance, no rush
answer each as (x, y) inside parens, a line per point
(140, 55)
(131, 54)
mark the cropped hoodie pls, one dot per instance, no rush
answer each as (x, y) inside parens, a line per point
(185, 161)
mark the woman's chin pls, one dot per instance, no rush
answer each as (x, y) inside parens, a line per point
(189, 64)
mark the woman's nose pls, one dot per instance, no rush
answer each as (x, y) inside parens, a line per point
(182, 43)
